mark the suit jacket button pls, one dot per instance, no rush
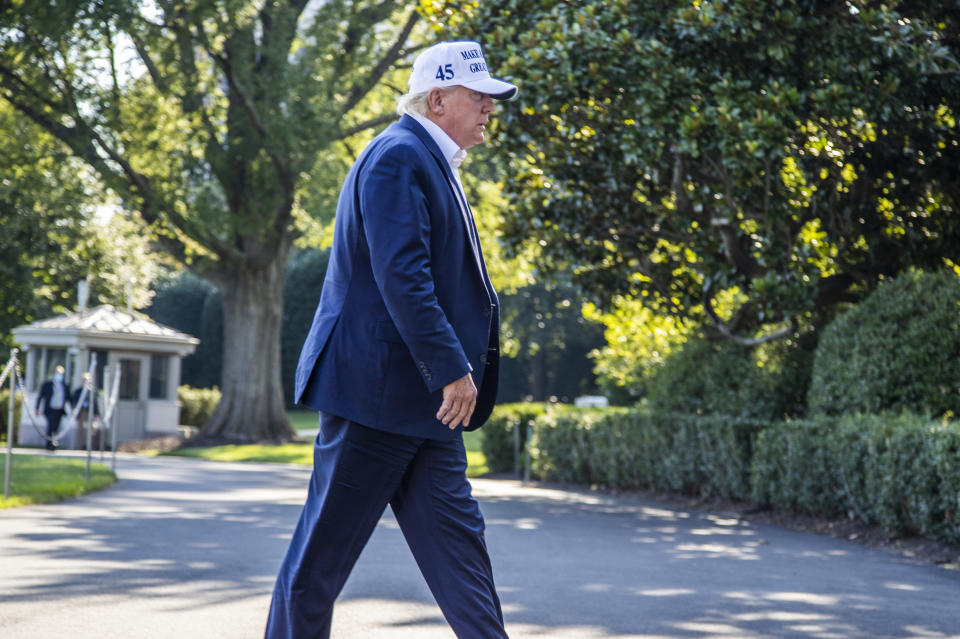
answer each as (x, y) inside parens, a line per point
(483, 359)
(487, 312)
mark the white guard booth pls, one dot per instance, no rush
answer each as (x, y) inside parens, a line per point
(148, 354)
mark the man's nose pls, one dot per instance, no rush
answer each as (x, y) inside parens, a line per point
(488, 105)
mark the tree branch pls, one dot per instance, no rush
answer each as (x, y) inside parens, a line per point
(283, 173)
(363, 87)
(767, 193)
(190, 99)
(158, 80)
(676, 185)
(363, 126)
(725, 226)
(42, 119)
(285, 34)
(728, 330)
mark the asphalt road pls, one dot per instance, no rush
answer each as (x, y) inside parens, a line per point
(188, 549)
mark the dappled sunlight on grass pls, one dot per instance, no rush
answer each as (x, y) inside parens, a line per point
(41, 479)
(278, 453)
(302, 454)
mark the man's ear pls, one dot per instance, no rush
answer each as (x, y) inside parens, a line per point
(435, 101)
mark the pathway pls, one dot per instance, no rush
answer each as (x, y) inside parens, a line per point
(182, 548)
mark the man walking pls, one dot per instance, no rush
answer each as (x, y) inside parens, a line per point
(87, 411)
(402, 357)
(54, 396)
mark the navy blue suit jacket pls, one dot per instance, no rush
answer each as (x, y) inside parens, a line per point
(46, 396)
(405, 307)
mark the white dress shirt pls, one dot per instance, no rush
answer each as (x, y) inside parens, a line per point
(454, 156)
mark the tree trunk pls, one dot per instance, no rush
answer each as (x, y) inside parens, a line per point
(252, 406)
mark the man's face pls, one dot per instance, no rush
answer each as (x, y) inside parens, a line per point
(463, 114)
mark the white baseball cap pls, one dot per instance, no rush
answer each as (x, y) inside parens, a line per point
(449, 64)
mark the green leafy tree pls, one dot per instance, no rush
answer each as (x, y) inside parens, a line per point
(207, 117)
(52, 236)
(637, 343)
(796, 152)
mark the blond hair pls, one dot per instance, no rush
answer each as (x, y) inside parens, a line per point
(416, 103)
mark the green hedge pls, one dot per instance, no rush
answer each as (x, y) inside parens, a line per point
(498, 434)
(638, 448)
(4, 412)
(719, 376)
(897, 350)
(197, 404)
(900, 472)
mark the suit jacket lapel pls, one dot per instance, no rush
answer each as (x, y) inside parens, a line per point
(409, 123)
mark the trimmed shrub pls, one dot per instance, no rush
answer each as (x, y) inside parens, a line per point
(508, 422)
(722, 377)
(899, 472)
(638, 448)
(197, 404)
(897, 350)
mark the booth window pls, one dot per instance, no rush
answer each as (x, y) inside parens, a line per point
(101, 366)
(129, 379)
(159, 376)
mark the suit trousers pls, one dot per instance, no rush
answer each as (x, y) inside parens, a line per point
(54, 416)
(357, 471)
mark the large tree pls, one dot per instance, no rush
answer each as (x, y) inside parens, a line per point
(207, 118)
(786, 155)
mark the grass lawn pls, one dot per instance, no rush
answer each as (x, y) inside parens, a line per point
(303, 420)
(42, 479)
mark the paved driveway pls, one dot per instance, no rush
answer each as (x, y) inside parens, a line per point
(188, 549)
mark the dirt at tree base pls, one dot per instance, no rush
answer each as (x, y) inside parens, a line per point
(164, 444)
(161, 444)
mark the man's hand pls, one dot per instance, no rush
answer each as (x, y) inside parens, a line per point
(459, 400)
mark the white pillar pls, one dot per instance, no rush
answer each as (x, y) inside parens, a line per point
(173, 379)
(30, 365)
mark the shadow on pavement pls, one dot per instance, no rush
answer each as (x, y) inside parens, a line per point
(567, 564)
